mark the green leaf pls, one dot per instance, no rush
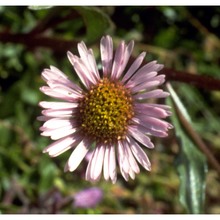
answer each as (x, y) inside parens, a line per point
(191, 163)
(96, 22)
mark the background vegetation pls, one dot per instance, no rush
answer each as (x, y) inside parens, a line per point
(185, 169)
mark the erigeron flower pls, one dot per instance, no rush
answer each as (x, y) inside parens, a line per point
(88, 198)
(109, 116)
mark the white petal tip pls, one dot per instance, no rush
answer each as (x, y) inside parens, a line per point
(114, 181)
(69, 53)
(45, 151)
(148, 168)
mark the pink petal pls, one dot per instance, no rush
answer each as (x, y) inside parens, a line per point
(94, 173)
(62, 145)
(144, 127)
(80, 69)
(56, 123)
(106, 48)
(59, 132)
(64, 85)
(143, 79)
(93, 65)
(77, 155)
(149, 84)
(58, 105)
(133, 164)
(83, 51)
(112, 164)
(165, 107)
(55, 75)
(106, 163)
(60, 93)
(118, 60)
(88, 59)
(123, 157)
(84, 74)
(145, 70)
(126, 56)
(158, 93)
(140, 136)
(58, 113)
(123, 163)
(154, 123)
(139, 154)
(91, 165)
(146, 109)
(135, 65)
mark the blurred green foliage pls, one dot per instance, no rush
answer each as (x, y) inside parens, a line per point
(33, 38)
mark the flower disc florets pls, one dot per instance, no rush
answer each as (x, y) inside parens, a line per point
(105, 111)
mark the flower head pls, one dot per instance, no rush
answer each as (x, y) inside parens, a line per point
(109, 116)
(88, 198)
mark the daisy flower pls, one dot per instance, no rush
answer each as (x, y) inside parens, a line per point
(109, 116)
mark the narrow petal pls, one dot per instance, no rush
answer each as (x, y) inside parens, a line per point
(157, 93)
(133, 164)
(145, 70)
(123, 156)
(165, 107)
(112, 164)
(139, 136)
(59, 132)
(106, 48)
(56, 123)
(58, 105)
(126, 56)
(98, 163)
(126, 159)
(93, 66)
(60, 93)
(80, 69)
(62, 145)
(133, 68)
(146, 109)
(83, 51)
(62, 133)
(63, 85)
(54, 74)
(156, 81)
(88, 58)
(106, 164)
(144, 127)
(91, 165)
(154, 123)
(58, 113)
(122, 162)
(77, 155)
(118, 60)
(84, 74)
(139, 154)
(145, 78)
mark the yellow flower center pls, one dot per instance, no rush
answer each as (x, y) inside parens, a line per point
(105, 111)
